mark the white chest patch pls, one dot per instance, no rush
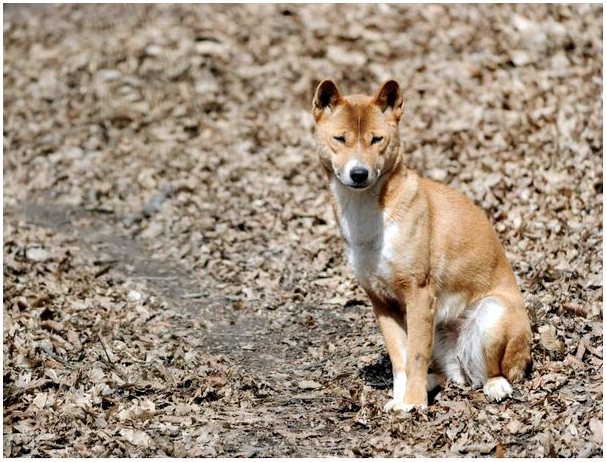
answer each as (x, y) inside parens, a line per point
(369, 235)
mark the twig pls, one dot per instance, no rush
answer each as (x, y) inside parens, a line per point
(194, 295)
(105, 349)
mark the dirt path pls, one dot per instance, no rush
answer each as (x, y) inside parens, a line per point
(174, 284)
(288, 418)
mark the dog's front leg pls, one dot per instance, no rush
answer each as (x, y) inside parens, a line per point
(392, 322)
(420, 315)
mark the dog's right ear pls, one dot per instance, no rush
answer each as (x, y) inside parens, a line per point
(327, 97)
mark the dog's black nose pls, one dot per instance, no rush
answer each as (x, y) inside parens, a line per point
(358, 174)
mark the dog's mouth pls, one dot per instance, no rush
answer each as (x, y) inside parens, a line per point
(350, 183)
(358, 186)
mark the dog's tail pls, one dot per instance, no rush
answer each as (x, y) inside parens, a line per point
(492, 339)
(474, 336)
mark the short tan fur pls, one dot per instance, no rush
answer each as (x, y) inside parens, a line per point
(440, 284)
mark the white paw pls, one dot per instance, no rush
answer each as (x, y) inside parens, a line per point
(497, 388)
(393, 405)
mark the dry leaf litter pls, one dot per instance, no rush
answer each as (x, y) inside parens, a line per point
(174, 284)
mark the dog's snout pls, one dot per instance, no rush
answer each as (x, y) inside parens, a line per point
(359, 174)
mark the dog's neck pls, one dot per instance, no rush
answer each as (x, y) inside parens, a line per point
(362, 214)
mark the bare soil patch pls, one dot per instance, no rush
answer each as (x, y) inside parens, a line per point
(174, 284)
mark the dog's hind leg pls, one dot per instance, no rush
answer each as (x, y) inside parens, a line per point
(494, 345)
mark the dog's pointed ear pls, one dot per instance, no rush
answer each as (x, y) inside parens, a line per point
(327, 97)
(389, 98)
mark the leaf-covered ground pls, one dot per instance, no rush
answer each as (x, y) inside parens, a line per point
(173, 279)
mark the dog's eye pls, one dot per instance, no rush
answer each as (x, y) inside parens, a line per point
(376, 139)
(340, 139)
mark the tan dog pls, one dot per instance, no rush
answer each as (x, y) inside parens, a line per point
(440, 284)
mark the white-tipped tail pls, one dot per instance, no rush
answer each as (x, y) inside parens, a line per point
(475, 330)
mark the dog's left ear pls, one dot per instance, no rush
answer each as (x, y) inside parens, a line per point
(389, 98)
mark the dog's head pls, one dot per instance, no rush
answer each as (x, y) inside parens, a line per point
(358, 134)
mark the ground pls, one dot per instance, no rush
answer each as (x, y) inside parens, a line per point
(174, 282)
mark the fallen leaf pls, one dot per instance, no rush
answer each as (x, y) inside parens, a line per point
(597, 430)
(308, 385)
(40, 400)
(549, 340)
(136, 437)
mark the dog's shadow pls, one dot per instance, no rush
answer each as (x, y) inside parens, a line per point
(378, 375)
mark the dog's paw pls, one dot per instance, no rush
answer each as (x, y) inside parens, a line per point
(401, 406)
(497, 388)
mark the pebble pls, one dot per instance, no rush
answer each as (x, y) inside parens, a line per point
(134, 296)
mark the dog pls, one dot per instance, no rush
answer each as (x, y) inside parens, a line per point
(437, 276)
